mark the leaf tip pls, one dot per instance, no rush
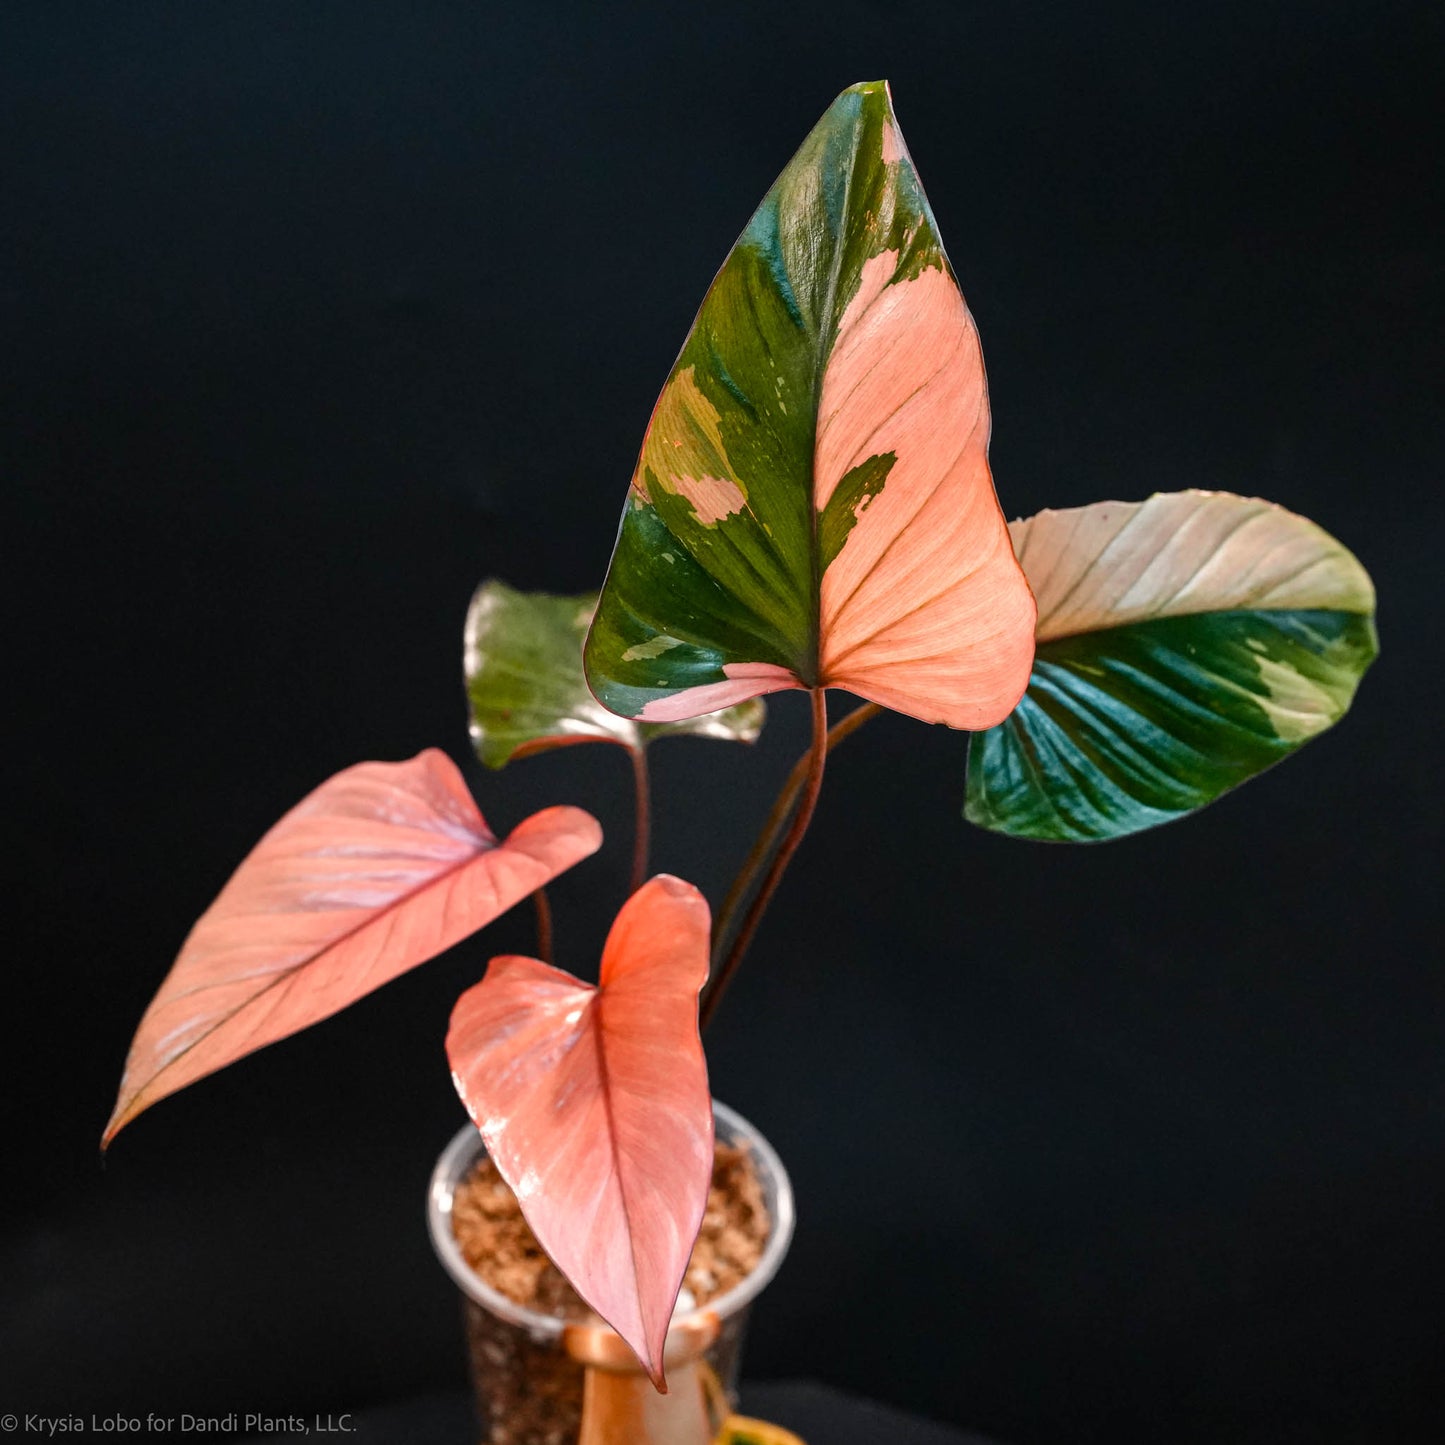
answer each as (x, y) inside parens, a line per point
(676, 887)
(120, 1116)
(584, 825)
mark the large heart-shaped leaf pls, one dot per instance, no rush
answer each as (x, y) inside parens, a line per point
(381, 868)
(526, 687)
(594, 1105)
(813, 504)
(1184, 644)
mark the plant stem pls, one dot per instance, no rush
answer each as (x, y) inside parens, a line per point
(642, 823)
(544, 925)
(773, 827)
(816, 760)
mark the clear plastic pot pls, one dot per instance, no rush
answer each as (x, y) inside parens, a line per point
(528, 1380)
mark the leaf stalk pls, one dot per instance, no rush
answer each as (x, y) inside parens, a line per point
(772, 828)
(642, 823)
(811, 765)
(544, 925)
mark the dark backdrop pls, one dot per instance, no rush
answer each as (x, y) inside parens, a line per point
(313, 316)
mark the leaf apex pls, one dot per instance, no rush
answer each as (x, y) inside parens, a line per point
(674, 886)
(114, 1125)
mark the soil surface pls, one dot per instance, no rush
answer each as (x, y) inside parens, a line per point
(499, 1244)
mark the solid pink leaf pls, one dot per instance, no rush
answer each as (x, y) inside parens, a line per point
(594, 1105)
(381, 868)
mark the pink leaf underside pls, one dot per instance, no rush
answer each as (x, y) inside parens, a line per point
(594, 1104)
(381, 868)
(1116, 563)
(924, 609)
(746, 679)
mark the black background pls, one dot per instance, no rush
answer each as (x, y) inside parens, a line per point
(313, 316)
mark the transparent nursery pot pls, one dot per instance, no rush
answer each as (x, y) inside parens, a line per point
(531, 1371)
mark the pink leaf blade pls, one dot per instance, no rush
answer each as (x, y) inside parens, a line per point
(594, 1105)
(924, 608)
(382, 867)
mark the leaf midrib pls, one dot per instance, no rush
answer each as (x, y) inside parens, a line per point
(827, 336)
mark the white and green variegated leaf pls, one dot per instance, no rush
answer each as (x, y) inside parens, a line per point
(527, 692)
(1184, 644)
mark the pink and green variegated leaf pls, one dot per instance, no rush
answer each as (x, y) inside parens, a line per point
(381, 868)
(1184, 644)
(813, 504)
(523, 665)
(594, 1105)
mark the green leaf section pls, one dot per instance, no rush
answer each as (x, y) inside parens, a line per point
(849, 501)
(1133, 726)
(526, 688)
(720, 550)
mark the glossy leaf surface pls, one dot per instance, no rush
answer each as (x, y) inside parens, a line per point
(594, 1105)
(813, 504)
(381, 868)
(1185, 643)
(526, 687)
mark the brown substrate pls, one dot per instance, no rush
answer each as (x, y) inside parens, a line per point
(529, 1390)
(499, 1244)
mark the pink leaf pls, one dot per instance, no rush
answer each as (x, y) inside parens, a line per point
(594, 1105)
(381, 868)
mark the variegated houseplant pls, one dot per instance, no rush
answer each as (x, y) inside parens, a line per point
(812, 509)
